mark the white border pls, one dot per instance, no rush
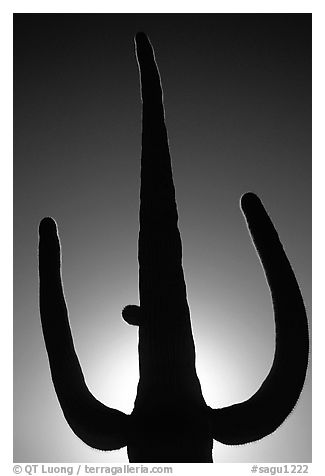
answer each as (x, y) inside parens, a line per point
(59, 6)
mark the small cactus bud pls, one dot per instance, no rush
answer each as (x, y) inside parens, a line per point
(132, 314)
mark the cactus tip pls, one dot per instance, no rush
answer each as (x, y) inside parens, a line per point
(47, 224)
(249, 199)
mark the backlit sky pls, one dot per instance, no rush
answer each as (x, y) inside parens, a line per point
(237, 93)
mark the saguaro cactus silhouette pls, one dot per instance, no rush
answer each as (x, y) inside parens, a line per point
(171, 421)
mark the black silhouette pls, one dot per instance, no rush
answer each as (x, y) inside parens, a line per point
(170, 421)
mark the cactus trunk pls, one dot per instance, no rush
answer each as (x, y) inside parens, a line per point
(169, 411)
(166, 346)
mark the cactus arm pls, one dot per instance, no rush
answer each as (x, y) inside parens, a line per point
(264, 412)
(97, 425)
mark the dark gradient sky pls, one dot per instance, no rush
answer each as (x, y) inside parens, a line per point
(237, 93)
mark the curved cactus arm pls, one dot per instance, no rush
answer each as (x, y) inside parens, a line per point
(97, 425)
(264, 412)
